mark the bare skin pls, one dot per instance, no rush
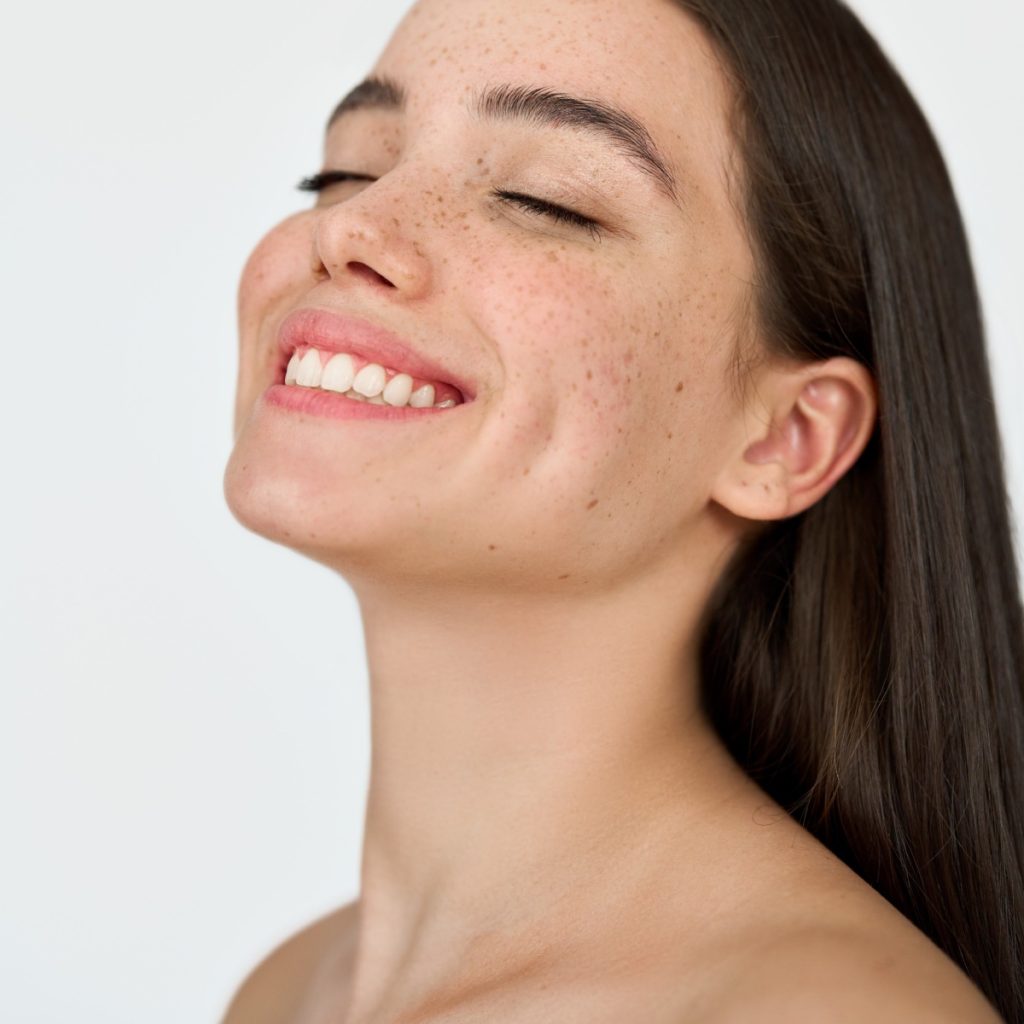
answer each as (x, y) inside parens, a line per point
(553, 829)
(824, 947)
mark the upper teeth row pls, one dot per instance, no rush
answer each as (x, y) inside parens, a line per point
(371, 382)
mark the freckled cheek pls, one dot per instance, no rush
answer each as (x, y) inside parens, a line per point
(603, 338)
(587, 358)
(542, 296)
(605, 420)
(560, 317)
(277, 271)
(636, 391)
(618, 372)
(281, 262)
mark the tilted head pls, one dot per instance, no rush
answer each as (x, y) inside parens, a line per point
(601, 341)
(699, 269)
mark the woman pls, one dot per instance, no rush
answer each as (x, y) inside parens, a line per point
(628, 367)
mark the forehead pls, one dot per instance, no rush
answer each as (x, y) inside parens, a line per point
(645, 57)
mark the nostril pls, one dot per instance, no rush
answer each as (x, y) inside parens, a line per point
(368, 272)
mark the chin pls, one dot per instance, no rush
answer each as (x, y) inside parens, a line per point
(279, 497)
(285, 501)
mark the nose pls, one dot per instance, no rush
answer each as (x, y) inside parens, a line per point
(367, 238)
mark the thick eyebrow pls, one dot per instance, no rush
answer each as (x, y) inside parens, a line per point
(379, 92)
(558, 110)
(539, 106)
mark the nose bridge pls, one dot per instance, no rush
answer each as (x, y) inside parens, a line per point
(383, 227)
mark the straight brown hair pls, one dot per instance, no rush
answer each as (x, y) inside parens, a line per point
(863, 660)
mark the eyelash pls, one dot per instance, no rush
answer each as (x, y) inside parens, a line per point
(316, 182)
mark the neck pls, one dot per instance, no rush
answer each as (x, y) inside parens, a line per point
(532, 757)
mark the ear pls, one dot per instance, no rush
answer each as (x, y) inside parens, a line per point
(806, 428)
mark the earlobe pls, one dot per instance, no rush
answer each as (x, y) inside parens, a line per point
(819, 426)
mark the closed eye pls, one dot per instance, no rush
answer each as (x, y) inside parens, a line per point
(555, 212)
(316, 182)
(562, 214)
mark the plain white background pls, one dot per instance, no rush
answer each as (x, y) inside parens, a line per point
(183, 771)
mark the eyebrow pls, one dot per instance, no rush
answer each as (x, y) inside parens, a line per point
(382, 93)
(538, 106)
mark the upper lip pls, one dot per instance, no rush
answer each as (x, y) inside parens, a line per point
(337, 332)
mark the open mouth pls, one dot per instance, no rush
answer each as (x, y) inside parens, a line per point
(323, 350)
(361, 380)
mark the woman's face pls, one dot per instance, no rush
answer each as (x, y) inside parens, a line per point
(598, 357)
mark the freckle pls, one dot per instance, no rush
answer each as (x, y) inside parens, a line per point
(628, 357)
(590, 375)
(679, 387)
(670, 435)
(526, 472)
(593, 504)
(765, 486)
(565, 577)
(491, 547)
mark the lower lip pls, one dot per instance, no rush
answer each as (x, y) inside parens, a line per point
(333, 406)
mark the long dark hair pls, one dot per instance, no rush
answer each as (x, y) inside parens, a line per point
(863, 660)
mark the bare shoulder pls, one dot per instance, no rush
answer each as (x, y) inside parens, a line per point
(273, 991)
(877, 973)
(824, 945)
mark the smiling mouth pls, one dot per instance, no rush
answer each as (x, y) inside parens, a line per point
(359, 379)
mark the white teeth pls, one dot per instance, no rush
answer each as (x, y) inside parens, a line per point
(339, 373)
(370, 380)
(398, 389)
(309, 371)
(422, 397)
(370, 384)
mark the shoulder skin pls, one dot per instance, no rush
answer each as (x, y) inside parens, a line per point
(274, 989)
(846, 977)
